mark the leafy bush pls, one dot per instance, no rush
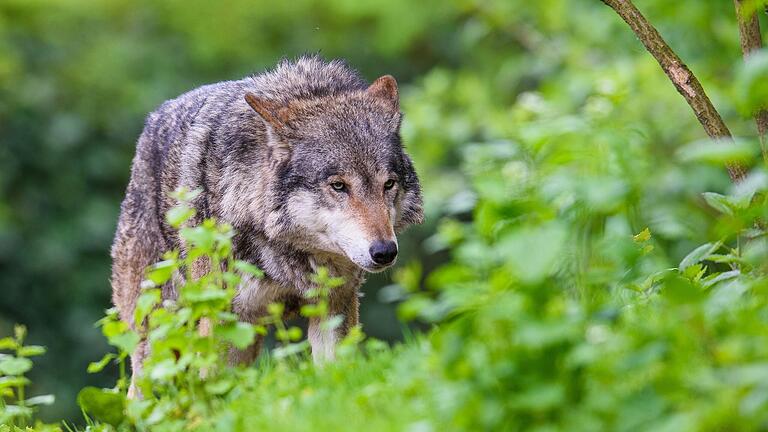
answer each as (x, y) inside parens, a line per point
(185, 381)
(16, 409)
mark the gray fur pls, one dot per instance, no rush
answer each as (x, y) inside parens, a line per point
(265, 169)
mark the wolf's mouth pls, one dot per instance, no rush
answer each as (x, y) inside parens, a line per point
(377, 268)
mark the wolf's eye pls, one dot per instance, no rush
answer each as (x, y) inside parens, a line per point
(339, 186)
(389, 184)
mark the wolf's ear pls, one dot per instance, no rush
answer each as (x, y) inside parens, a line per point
(266, 109)
(274, 124)
(385, 89)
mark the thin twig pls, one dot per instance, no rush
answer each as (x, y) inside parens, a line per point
(685, 82)
(751, 40)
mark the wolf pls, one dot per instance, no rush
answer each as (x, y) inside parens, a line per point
(305, 161)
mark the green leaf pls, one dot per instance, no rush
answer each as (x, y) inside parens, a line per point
(179, 214)
(219, 387)
(205, 295)
(200, 237)
(98, 366)
(698, 254)
(41, 400)
(31, 351)
(248, 268)
(184, 194)
(15, 411)
(310, 310)
(161, 272)
(13, 381)
(239, 334)
(750, 83)
(165, 369)
(718, 152)
(275, 309)
(15, 365)
(718, 202)
(290, 349)
(148, 299)
(104, 405)
(642, 236)
(8, 343)
(125, 341)
(533, 252)
(744, 191)
(680, 290)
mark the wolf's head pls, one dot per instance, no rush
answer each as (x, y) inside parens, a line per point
(341, 180)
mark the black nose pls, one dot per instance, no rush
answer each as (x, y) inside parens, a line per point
(383, 252)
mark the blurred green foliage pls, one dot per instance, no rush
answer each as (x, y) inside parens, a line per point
(545, 136)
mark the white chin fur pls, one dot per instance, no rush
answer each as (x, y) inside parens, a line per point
(334, 232)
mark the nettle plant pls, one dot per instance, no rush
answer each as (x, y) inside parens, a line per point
(185, 379)
(15, 408)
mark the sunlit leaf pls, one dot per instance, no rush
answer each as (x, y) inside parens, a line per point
(240, 334)
(15, 365)
(104, 405)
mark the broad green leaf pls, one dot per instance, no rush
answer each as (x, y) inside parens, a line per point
(184, 194)
(219, 387)
(176, 216)
(165, 370)
(8, 343)
(744, 191)
(148, 299)
(290, 349)
(681, 290)
(698, 254)
(13, 381)
(533, 252)
(103, 405)
(15, 411)
(205, 295)
(41, 400)
(248, 268)
(200, 237)
(725, 297)
(161, 272)
(719, 202)
(31, 351)
(750, 83)
(125, 341)
(239, 334)
(15, 365)
(716, 278)
(275, 309)
(719, 152)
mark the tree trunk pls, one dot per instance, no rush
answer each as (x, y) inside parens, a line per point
(749, 35)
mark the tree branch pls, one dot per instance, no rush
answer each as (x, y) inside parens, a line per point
(751, 40)
(685, 82)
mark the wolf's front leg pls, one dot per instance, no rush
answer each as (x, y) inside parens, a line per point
(137, 363)
(322, 339)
